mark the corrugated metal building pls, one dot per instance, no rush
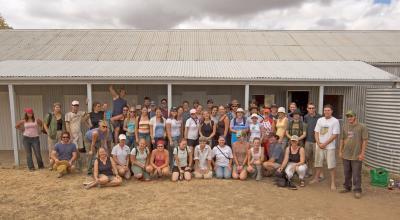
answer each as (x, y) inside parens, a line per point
(40, 67)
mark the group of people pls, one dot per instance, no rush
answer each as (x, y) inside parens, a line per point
(151, 141)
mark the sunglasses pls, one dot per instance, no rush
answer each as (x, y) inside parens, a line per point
(310, 108)
(131, 111)
(75, 105)
(104, 126)
(65, 137)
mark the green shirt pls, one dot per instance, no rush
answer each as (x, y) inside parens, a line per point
(53, 125)
(353, 136)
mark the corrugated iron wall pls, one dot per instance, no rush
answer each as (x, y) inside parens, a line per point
(382, 112)
(395, 70)
(5, 125)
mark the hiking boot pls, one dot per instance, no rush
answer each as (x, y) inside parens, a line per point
(357, 195)
(292, 186)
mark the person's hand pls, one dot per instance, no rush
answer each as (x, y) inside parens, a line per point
(153, 141)
(230, 167)
(187, 169)
(361, 156)
(340, 154)
(70, 163)
(322, 146)
(250, 167)
(56, 161)
(280, 169)
(90, 153)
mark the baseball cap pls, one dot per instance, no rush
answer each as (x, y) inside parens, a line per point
(122, 137)
(254, 116)
(294, 138)
(28, 110)
(75, 102)
(350, 113)
(281, 109)
(239, 110)
(192, 111)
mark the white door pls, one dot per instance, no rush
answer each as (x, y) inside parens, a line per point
(5, 125)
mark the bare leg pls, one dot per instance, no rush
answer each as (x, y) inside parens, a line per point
(333, 178)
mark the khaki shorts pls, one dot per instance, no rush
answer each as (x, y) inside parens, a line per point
(309, 149)
(77, 139)
(325, 154)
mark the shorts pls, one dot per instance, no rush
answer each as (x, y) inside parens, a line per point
(192, 143)
(110, 178)
(118, 124)
(325, 154)
(235, 170)
(77, 139)
(138, 170)
(176, 170)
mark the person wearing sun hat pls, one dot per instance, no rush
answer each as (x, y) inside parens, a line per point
(281, 124)
(297, 127)
(256, 130)
(353, 143)
(294, 162)
(238, 124)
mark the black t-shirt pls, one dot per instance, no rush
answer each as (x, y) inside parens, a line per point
(95, 118)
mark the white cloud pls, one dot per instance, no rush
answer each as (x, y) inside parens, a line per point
(161, 14)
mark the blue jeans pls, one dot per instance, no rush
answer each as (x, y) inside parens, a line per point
(223, 172)
(29, 143)
(130, 141)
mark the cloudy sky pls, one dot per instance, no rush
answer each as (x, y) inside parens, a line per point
(165, 14)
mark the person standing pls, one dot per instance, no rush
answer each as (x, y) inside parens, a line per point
(222, 125)
(296, 127)
(164, 107)
(326, 132)
(152, 109)
(117, 113)
(281, 125)
(274, 112)
(214, 114)
(233, 107)
(310, 119)
(174, 133)
(54, 125)
(238, 124)
(142, 130)
(30, 126)
(353, 143)
(157, 128)
(207, 128)
(64, 155)
(192, 130)
(186, 111)
(130, 127)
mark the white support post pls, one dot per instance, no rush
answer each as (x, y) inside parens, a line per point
(89, 97)
(321, 100)
(246, 97)
(11, 96)
(169, 97)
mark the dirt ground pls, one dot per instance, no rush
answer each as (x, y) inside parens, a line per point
(40, 195)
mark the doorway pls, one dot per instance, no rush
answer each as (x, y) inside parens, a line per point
(300, 98)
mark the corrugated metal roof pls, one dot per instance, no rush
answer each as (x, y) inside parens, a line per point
(194, 45)
(348, 71)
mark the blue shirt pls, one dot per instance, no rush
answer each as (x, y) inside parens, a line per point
(118, 106)
(64, 151)
(276, 152)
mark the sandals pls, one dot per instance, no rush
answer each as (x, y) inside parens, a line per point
(302, 183)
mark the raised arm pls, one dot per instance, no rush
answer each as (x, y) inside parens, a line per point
(114, 93)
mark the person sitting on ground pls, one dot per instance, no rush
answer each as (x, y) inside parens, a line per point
(105, 171)
(120, 154)
(294, 162)
(159, 161)
(223, 159)
(202, 160)
(182, 162)
(140, 158)
(240, 156)
(275, 155)
(256, 158)
(64, 155)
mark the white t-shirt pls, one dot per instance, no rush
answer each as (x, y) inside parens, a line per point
(75, 120)
(202, 156)
(255, 131)
(182, 156)
(193, 129)
(222, 158)
(327, 128)
(175, 127)
(121, 153)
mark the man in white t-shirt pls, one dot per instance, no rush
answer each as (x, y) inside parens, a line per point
(192, 129)
(326, 132)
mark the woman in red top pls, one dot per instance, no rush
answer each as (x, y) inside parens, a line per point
(268, 125)
(159, 161)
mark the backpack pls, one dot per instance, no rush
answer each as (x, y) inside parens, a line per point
(300, 127)
(137, 151)
(281, 179)
(187, 152)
